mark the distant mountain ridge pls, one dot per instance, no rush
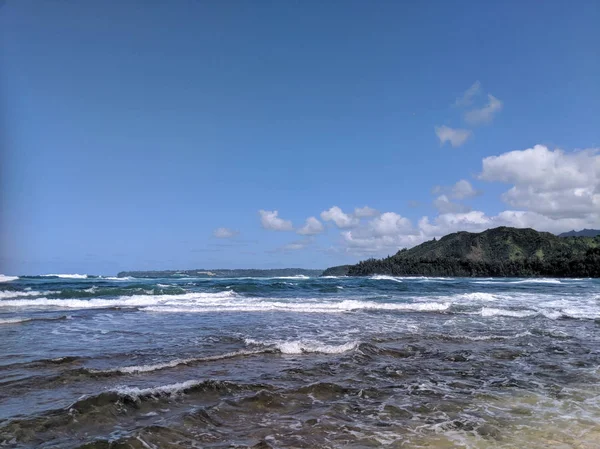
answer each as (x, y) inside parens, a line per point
(582, 233)
(502, 252)
(217, 273)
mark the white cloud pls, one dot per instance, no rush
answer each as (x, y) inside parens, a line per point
(341, 220)
(443, 204)
(387, 232)
(390, 223)
(270, 220)
(366, 211)
(312, 227)
(551, 183)
(463, 189)
(224, 233)
(459, 191)
(294, 246)
(467, 97)
(455, 136)
(548, 190)
(484, 114)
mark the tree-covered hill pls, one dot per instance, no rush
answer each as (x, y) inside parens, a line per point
(496, 252)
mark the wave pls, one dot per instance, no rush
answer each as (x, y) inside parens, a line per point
(494, 337)
(17, 293)
(478, 296)
(114, 278)
(383, 277)
(17, 320)
(323, 307)
(304, 346)
(537, 281)
(65, 276)
(174, 363)
(175, 389)
(489, 312)
(122, 301)
(297, 276)
(4, 278)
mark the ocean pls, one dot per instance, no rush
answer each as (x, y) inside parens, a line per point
(306, 362)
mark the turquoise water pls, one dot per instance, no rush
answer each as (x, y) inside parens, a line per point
(299, 362)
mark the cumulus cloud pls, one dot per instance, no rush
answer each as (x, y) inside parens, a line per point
(271, 221)
(387, 232)
(551, 183)
(443, 204)
(456, 137)
(224, 233)
(390, 223)
(311, 227)
(548, 190)
(459, 191)
(341, 219)
(484, 114)
(463, 189)
(361, 212)
(466, 99)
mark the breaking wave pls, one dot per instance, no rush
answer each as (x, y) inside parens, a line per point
(4, 278)
(17, 320)
(18, 293)
(383, 277)
(304, 346)
(174, 363)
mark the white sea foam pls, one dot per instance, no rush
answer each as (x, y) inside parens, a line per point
(114, 278)
(333, 277)
(162, 390)
(122, 301)
(383, 277)
(173, 363)
(478, 296)
(4, 278)
(537, 281)
(304, 307)
(14, 320)
(298, 276)
(67, 276)
(304, 346)
(490, 312)
(494, 337)
(4, 294)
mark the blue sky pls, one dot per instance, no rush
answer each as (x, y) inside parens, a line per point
(133, 131)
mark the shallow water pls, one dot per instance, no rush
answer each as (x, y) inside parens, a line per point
(299, 362)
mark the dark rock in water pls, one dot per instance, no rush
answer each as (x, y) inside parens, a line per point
(488, 431)
(262, 445)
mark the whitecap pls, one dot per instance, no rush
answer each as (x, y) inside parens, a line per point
(121, 301)
(537, 281)
(176, 362)
(383, 277)
(478, 296)
(490, 312)
(4, 294)
(4, 278)
(305, 346)
(14, 320)
(67, 276)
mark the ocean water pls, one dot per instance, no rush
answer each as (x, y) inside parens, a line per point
(299, 362)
